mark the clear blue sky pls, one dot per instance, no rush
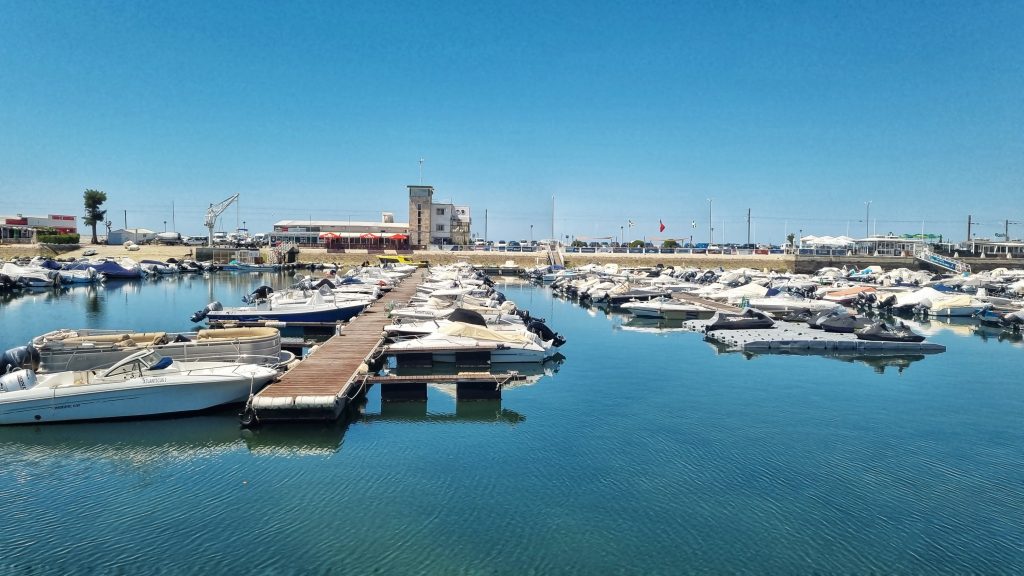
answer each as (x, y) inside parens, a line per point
(799, 111)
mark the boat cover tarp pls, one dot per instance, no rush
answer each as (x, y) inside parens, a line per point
(482, 333)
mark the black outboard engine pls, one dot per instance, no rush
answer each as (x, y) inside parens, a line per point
(541, 329)
(201, 314)
(261, 293)
(525, 316)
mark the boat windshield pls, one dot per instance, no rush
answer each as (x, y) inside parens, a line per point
(134, 365)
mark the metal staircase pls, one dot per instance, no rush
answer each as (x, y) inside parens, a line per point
(923, 254)
(555, 257)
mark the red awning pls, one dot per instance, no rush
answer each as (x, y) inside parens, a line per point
(398, 237)
(368, 235)
(329, 235)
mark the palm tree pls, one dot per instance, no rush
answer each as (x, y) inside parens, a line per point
(93, 215)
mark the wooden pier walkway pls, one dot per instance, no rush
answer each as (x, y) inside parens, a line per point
(321, 385)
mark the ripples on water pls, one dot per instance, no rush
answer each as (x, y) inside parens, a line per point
(647, 452)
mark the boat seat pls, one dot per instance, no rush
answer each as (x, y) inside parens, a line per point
(235, 333)
(97, 339)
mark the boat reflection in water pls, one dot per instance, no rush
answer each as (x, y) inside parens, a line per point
(140, 442)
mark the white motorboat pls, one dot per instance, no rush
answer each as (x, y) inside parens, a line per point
(314, 309)
(957, 305)
(31, 276)
(448, 342)
(782, 304)
(143, 384)
(668, 309)
(86, 349)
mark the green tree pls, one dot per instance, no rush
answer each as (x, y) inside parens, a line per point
(670, 243)
(93, 215)
(790, 238)
(636, 244)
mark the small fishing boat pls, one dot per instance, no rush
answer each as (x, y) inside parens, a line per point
(88, 349)
(143, 384)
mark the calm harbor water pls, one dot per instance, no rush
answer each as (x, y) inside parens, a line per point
(646, 452)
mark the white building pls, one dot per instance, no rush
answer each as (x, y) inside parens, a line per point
(342, 233)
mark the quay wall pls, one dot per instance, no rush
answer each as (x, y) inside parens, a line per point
(776, 262)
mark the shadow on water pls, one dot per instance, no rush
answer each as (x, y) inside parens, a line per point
(297, 438)
(477, 411)
(877, 362)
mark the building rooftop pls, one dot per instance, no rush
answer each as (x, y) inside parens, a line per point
(307, 223)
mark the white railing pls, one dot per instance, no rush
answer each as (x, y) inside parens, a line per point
(923, 253)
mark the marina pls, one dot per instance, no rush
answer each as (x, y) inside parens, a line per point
(698, 438)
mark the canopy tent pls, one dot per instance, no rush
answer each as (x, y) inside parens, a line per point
(398, 237)
(826, 241)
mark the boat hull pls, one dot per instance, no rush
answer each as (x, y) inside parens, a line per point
(149, 397)
(331, 313)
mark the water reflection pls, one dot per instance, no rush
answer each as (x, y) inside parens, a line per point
(477, 411)
(877, 362)
(296, 438)
(133, 442)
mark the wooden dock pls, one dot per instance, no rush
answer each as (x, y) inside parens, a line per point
(320, 387)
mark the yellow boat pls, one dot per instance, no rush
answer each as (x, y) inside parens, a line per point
(401, 259)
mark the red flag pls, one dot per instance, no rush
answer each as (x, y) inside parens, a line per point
(661, 226)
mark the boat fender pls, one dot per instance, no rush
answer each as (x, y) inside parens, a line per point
(18, 380)
(248, 418)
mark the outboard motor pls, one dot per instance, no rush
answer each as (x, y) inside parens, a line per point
(201, 314)
(261, 293)
(18, 380)
(541, 329)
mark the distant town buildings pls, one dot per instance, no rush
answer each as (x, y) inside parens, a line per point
(342, 234)
(22, 229)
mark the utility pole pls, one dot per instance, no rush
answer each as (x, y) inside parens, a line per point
(968, 227)
(748, 227)
(552, 215)
(485, 225)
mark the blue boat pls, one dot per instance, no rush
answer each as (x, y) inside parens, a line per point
(108, 268)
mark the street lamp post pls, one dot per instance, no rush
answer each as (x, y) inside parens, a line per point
(622, 235)
(165, 225)
(867, 219)
(711, 227)
(531, 233)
